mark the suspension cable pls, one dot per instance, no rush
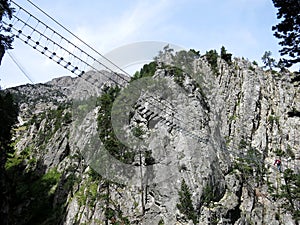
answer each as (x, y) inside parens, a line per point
(70, 32)
(177, 127)
(22, 69)
(90, 47)
(28, 40)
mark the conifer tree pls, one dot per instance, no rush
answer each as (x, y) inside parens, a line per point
(185, 204)
(288, 29)
(268, 60)
(226, 56)
(5, 40)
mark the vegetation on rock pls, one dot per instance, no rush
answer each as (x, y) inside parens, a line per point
(5, 40)
(106, 131)
(288, 30)
(185, 204)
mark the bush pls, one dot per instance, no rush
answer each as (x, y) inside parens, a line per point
(252, 68)
(161, 222)
(279, 152)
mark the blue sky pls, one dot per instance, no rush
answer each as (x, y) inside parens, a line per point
(242, 26)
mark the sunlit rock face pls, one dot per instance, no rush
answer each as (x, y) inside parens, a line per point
(216, 128)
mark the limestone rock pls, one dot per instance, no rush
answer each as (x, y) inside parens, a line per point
(220, 132)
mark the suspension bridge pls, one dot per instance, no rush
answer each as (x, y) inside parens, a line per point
(79, 58)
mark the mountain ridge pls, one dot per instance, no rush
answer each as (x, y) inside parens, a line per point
(248, 116)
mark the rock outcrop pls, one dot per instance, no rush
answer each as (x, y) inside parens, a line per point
(209, 131)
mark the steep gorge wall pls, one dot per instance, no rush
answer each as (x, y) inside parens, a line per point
(258, 110)
(239, 109)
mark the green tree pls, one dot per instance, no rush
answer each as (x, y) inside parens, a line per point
(195, 53)
(5, 40)
(161, 222)
(268, 60)
(106, 131)
(226, 56)
(8, 117)
(162, 54)
(281, 65)
(250, 163)
(185, 204)
(291, 192)
(184, 60)
(212, 58)
(148, 70)
(288, 29)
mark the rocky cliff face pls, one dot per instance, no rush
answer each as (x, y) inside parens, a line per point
(201, 138)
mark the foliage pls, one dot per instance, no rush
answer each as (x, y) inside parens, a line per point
(250, 164)
(5, 40)
(54, 119)
(176, 72)
(281, 65)
(243, 165)
(207, 195)
(279, 152)
(273, 119)
(149, 160)
(148, 70)
(268, 60)
(251, 68)
(164, 54)
(243, 144)
(8, 117)
(195, 53)
(178, 76)
(291, 192)
(14, 160)
(161, 222)
(106, 132)
(185, 204)
(226, 56)
(212, 58)
(233, 117)
(138, 131)
(88, 192)
(38, 191)
(290, 152)
(116, 217)
(94, 175)
(288, 29)
(184, 60)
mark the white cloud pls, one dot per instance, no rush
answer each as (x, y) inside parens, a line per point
(127, 27)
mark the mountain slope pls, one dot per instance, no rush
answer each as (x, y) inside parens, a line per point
(202, 134)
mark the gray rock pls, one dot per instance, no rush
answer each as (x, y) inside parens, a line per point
(217, 119)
